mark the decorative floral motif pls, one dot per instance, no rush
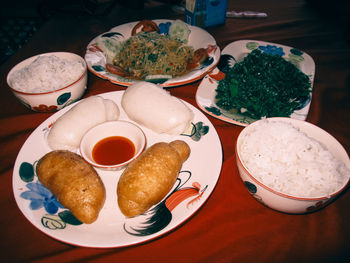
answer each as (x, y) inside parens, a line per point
(207, 62)
(26, 172)
(160, 215)
(296, 52)
(252, 45)
(214, 110)
(112, 34)
(217, 75)
(226, 62)
(320, 204)
(60, 220)
(98, 68)
(295, 59)
(45, 108)
(295, 56)
(39, 197)
(272, 49)
(230, 115)
(52, 222)
(63, 98)
(164, 28)
(315, 207)
(303, 102)
(196, 131)
(252, 189)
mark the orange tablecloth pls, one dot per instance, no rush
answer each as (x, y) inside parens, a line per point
(231, 226)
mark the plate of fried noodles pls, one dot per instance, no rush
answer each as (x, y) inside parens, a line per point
(167, 52)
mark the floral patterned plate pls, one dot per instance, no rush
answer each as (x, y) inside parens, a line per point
(236, 51)
(193, 187)
(96, 59)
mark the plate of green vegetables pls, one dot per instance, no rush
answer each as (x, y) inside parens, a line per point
(257, 79)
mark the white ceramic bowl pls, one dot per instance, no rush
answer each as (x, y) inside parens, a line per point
(53, 100)
(108, 129)
(283, 202)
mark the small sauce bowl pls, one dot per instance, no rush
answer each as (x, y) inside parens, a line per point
(112, 145)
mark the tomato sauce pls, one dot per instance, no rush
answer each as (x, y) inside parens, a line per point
(113, 150)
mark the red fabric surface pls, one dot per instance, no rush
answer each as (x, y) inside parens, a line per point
(231, 226)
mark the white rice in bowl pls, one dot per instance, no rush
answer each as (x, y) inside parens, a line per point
(45, 74)
(288, 161)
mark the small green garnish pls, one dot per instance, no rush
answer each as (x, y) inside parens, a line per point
(263, 85)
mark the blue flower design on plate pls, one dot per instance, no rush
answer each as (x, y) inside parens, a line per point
(272, 49)
(40, 197)
(164, 28)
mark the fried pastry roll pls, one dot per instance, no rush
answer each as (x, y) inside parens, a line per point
(74, 182)
(148, 179)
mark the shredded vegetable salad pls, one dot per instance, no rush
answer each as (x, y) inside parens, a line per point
(151, 53)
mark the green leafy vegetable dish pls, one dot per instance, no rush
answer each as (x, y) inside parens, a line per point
(263, 84)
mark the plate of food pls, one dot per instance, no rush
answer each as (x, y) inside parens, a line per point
(167, 52)
(257, 79)
(106, 220)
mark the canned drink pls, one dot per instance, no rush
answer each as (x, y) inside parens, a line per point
(205, 13)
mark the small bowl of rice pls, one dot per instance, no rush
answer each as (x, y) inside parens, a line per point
(290, 165)
(48, 82)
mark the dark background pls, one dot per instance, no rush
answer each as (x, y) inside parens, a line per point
(21, 19)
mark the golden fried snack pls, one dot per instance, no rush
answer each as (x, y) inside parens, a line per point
(74, 182)
(148, 179)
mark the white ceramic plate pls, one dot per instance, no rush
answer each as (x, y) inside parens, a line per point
(198, 38)
(206, 92)
(196, 182)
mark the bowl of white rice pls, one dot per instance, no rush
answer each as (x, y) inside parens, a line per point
(290, 165)
(48, 82)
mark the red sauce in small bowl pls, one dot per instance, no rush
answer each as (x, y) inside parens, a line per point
(113, 150)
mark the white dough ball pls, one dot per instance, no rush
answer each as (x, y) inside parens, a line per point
(68, 130)
(152, 106)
